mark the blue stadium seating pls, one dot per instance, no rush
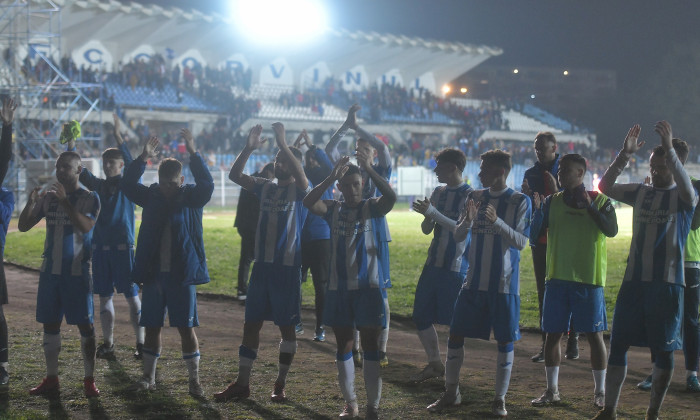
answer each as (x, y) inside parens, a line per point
(150, 98)
(548, 118)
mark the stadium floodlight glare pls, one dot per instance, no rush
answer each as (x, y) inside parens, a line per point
(279, 21)
(516, 71)
(464, 90)
(446, 89)
(532, 96)
(566, 72)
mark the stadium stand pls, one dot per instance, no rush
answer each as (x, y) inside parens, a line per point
(220, 101)
(519, 122)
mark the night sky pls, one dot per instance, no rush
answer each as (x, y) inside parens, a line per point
(630, 37)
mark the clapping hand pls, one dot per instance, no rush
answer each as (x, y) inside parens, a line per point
(421, 206)
(254, 141)
(631, 144)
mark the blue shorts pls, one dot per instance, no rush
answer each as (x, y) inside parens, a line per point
(111, 269)
(649, 314)
(60, 295)
(274, 294)
(383, 256)
(435, 296)
(476, 312)
(578, 304)
(161, 296)
(358, 308)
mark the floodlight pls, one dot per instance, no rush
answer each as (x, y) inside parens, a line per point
(279, 21)
(516, 71)
(532, 96)
(463, 90)
(446, 89)
(566, 72)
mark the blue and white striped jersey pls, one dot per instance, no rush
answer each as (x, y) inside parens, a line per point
(282, 216)
(67, 251)
(354, 245)
(444, 251)
(494, 252)
(661, 222)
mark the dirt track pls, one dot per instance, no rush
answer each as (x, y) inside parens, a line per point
(221, 321)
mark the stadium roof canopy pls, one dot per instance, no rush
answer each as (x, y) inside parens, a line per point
(109, 31)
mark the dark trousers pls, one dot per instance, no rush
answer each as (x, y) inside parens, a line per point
(691, 330)
(539, 264)
(247, 256)
(316, 257)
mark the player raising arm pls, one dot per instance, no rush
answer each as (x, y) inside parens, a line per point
(353, 295)
(170, 259)
(273, 293)
(649, 303)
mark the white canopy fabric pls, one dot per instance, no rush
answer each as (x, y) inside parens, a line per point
(123, 27)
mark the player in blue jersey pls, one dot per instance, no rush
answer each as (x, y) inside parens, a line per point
(246, 222)
(446, 266)
(373, 147)
(170, 259)
(113, 244)
(273, 293)
(7, 205)
(65, 282)
(315, 236)
(498, 219)
(648, 311)
(691, 296)
(353, 296)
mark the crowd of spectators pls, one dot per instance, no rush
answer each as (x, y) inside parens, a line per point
(218, 87)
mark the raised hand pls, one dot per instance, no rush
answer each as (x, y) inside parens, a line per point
(663, 129)
(297, 143)
(491, 214)
(7, 113)
(150, 148)
(340, 168)
(351, 120)
(278, 128)
(117, 128)
(525, 188)
(254, 142)
(34, 196)
(536, 201)
(470, 211)
(421, 206)
(631, 144)
(307, 141)
(551, 182)
(58, 190)
(189, 141)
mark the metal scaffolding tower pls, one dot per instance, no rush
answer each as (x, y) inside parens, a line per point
(30, 72)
